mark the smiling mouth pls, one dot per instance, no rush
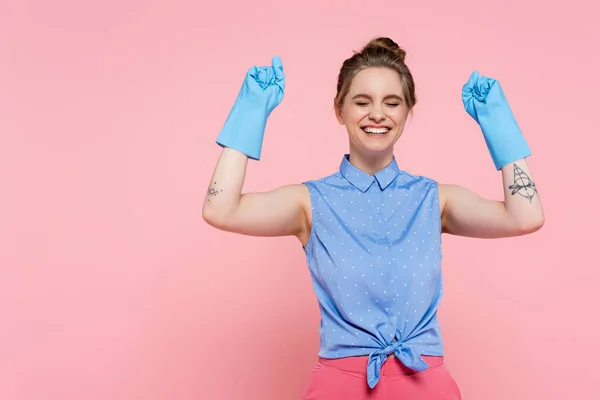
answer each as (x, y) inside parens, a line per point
(375, 131)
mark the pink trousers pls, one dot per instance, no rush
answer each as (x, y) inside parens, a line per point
(345, 379)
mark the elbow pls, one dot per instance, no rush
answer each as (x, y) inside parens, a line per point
(211, 217)
(532, 226)
(214, 217)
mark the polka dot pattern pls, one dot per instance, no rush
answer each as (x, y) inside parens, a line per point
(374, 256)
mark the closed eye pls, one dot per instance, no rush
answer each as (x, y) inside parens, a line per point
(364, 104)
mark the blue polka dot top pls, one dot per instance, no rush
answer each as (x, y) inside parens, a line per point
(374, 255)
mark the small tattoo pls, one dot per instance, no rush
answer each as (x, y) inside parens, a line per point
(212, 192)
(523, 185)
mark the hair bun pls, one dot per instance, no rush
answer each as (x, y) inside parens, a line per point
(386, 44)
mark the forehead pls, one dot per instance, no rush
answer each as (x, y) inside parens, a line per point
(376, 81)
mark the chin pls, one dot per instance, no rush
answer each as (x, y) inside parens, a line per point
(379, 144)
(377, 149)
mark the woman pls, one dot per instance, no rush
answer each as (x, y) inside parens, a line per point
(371, 231)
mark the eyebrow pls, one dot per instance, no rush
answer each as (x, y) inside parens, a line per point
(389, 96)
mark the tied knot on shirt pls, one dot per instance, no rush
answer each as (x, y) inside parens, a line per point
(404, 353)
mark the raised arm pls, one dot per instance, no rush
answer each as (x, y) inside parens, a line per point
(464, 212)
(280, 212)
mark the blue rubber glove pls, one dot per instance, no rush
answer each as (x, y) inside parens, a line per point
(261, 92)
(484, 100)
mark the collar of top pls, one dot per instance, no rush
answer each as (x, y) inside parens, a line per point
(362, 180)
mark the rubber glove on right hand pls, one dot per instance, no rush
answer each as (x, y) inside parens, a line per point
(484, 100)
(261, 91)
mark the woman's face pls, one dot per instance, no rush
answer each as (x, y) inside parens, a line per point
(374, 111)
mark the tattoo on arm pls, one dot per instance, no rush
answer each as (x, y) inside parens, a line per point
(212, 191)
(523, 185)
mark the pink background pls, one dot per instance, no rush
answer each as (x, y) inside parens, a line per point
(113, 287)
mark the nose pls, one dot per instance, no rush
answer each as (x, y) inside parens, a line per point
(376, 114)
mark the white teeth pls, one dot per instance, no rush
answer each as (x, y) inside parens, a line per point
(376, 130)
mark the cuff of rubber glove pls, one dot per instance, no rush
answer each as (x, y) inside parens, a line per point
(246, 141)
(506, 153)
(253, 151)
(243, 133)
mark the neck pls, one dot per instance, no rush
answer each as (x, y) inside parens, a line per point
(370, 163)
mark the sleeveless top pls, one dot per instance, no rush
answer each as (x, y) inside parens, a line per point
(374, 256)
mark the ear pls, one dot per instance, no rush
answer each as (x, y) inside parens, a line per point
(338, 114)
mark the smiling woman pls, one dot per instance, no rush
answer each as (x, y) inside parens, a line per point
(371, 232)
(375, 94)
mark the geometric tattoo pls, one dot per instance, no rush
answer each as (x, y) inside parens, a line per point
(213, 192)
(523, 185)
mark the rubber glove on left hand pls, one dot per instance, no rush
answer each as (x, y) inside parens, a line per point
(484, 100)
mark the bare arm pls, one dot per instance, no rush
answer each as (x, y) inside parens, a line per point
(280, 212)
(465, 213)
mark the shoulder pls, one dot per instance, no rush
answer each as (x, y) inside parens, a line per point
(314, 189)
(406, 177)
(295, 193)
(319, 184)
(327, 179)
(446, 190)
